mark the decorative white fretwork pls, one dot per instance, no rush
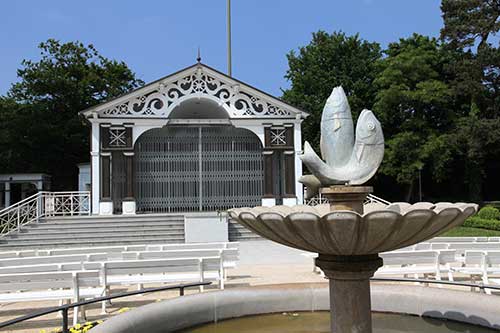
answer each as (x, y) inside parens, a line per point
(117, 137)
(278, 137)
(160, 101)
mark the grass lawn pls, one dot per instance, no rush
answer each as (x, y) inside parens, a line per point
(465, 232)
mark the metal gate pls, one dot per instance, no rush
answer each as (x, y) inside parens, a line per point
(195, 168)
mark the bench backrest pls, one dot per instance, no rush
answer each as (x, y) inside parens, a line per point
(461, 247)
(226, 254)
(190, 253)
(87, 250)
(53, 259)
(49, 280)
(418, 257)
(457, 239)
(179, 265)
(409, 257)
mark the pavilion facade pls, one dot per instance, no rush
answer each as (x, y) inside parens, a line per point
(197, 140)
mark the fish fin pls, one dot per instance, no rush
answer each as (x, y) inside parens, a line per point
(359, 152)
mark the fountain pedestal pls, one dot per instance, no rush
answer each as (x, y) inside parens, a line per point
(350, 303)
(341, 197)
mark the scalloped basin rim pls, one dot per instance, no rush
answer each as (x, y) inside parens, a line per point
(344, 212)
(343, 232)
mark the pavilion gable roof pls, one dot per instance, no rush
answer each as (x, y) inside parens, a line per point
(157, 99)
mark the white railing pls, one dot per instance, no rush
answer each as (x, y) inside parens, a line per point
(318, 200)
(374, 199)
(43, 204)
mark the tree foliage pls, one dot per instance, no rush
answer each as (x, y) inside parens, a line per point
(41, 129)
(415, 105)
(331, 60)
(470, 22)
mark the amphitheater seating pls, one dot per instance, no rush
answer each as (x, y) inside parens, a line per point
(114, 265)
(474, 256)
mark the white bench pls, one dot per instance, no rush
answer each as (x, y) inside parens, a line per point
(162, 271)
(433, 262)
(128, 272)
(483, 264)
(58, 286)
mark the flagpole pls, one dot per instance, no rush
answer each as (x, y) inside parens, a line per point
(229, 70)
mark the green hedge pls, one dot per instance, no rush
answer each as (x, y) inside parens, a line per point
(489, 213)
(478, 222)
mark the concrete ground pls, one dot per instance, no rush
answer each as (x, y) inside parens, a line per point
(261, 262)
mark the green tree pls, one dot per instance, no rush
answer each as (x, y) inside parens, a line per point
(469, 29)
(331, 60)
(41, 111)
(415, 105)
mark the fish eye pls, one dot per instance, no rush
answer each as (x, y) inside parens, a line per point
(371, 126)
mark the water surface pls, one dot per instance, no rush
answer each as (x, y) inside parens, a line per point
(319, 322)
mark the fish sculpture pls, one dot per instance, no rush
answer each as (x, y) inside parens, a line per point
(350, 159)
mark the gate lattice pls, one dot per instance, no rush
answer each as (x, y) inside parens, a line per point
(181, 169)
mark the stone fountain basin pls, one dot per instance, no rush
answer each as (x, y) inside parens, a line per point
(347, 233)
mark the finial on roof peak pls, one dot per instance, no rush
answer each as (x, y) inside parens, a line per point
(199, 55)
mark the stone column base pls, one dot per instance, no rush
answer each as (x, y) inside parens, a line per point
(106, 208)
(268, 202)
(343, 197)
(128, 207)
(290, 201)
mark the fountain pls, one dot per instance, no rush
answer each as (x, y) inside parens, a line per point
(347, 239)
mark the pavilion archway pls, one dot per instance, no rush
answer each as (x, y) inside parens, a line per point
(181, 168)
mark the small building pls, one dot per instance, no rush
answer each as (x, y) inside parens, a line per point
(194, 141)
(15, 187)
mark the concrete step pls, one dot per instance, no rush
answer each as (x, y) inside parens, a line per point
(237, 232)
(89, 235)
(18, 245)
(117, 225)
(99, 229)
(114, 218)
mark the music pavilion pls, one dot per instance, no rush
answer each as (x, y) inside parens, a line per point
(196, 140)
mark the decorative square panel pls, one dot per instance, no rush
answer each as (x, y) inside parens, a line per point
(117, 137)
(278, 137)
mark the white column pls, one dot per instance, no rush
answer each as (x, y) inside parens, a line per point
(299, 188)
(7, 194)
(95, 179)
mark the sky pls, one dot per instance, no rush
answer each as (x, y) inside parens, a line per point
(156, 38)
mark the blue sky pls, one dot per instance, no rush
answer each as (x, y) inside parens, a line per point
(156, 38)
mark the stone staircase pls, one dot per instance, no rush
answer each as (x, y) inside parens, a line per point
(84, 231)
(238, 233)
